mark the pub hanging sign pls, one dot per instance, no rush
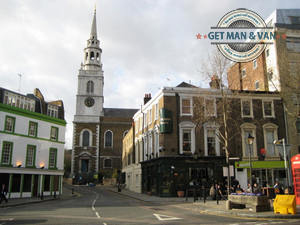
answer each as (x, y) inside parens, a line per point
(166, 121)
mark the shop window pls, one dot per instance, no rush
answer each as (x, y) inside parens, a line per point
(16, 183)
(27, 183)
(47, 183)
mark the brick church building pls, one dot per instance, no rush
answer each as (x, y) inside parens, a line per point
(98, 131)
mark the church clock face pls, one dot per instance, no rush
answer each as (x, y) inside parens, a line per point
(89, 101)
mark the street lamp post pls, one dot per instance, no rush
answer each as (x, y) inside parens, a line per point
(250, 142)
(282, 141)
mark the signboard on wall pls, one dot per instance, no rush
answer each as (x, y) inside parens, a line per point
(166, 121)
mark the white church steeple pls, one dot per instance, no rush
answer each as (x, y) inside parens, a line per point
(93, 51)
(89, 98)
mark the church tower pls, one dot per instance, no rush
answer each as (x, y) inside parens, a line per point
(89, 109)
(89, 99)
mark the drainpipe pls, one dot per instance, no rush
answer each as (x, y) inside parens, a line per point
(177, 120)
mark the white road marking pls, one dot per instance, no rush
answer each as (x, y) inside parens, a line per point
(165, 217)
(97, 215)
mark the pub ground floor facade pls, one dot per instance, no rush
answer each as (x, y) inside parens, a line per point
(165, 176)
(31, 183)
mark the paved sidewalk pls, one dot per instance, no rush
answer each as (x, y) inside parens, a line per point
(67, 193)
(209, 206)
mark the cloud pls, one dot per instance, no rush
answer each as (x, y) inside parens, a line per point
(143, 42)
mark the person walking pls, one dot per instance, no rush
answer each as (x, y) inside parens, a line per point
(3, 193)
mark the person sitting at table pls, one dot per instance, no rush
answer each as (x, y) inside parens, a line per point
(239, 189)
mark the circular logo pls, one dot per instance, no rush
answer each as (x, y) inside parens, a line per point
(242, 45)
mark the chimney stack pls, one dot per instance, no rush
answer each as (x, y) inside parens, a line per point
(215, 82)
(147, 98)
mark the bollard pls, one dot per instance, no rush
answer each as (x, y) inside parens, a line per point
(54, 194)
(42, 195)
(204, 195)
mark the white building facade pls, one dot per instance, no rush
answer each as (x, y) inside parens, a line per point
(31, 144)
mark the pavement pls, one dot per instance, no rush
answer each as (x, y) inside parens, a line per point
(208, 206)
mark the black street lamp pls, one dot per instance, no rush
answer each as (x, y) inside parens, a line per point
(250, 142)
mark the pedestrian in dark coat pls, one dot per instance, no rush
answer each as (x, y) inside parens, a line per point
(3, 193)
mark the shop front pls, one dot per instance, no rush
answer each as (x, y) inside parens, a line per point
(265, 173)
(165, 176)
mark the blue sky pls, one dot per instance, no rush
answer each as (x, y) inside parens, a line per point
(144, 43)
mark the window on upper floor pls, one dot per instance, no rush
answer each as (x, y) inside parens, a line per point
(32, 131)
(108, 139)
(244, 72)
(30, 156)
(293, 44)
(268, 109)
(270, 135)
(186, 107)
(9, 124)
(211, 139)
(150, 116)
(156, 111)
(247, 109)
(54, 134)
(19, 101)
(86, 138)
(256, 84)
(6, 157)
(145, 119)
(295, 20)
(254, 64)
(187, 137)
(210, 107)
(90, 87)
(267, 52)
(247, 129)
(52, 110)
(52, 158)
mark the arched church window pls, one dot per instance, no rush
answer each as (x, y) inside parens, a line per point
(92, 55)
(108, 138)
(107, 163)
(90, 87)
(86, 138)
(98, 57)
(86, 55)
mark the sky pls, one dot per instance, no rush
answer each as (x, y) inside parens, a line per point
(146, 44)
